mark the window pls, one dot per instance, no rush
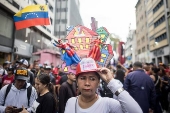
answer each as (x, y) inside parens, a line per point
(143, 49)
(46, 1)
(76, 48)
(139, 51)
(79, 40)
(64, 21)
(44, 27)
(57, 21)
(6, 25)
(81, 46)
(62, 33)
(148, 47)
(15, 5)
(48, 30)
(143, 39)
(34, 2)
(87, 46)
(142, 28)
(158, 22)
(87, 40)
(158, 6)
(58, 33)
(138, 42)
(65, 69)
(101, 60)
(51, 21)
(161, 37)
(62, 9)
(103, 55)
(72, 40)
(50, 7)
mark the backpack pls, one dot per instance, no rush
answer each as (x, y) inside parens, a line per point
(29, 90)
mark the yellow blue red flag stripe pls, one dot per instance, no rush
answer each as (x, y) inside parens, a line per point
(31, 16)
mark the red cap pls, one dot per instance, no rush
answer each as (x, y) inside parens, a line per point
(86, 65)
(55, 71)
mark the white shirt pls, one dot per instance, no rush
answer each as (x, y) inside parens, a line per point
(124, 103)
(102, 105)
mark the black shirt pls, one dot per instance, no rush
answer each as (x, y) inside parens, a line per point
(45, 104)
(63, 79)
(66, 91)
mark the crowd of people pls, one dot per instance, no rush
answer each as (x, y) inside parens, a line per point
(36, 88)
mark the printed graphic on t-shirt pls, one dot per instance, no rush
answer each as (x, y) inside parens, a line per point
(7, 82)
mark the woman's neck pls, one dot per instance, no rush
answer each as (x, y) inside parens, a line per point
(88, 99)
(86, 102)
(44, 92)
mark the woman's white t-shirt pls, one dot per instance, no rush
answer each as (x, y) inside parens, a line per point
(102, 105)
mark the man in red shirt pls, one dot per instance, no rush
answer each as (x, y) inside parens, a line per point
(57, 78)
(8, 79)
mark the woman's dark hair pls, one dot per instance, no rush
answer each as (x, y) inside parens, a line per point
(45, 79)
(120, 75)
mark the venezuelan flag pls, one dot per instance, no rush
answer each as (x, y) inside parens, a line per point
(31, 16)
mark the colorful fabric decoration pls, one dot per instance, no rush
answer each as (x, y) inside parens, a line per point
(103, 33)
(81, 37)
(68, 55)
(31, 16)
(121, 53)
(106, 55)
(95, 51)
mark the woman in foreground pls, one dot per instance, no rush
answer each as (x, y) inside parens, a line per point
(46, 101)
(88, 79)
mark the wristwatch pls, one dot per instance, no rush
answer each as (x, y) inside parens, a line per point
(119, 91)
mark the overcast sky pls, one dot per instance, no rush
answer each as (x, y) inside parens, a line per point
(115, 15)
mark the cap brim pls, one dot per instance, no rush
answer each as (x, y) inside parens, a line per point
(86, 72)
(18, 62)
(21, 78)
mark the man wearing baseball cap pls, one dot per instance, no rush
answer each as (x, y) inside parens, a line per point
(88, 79)
(18, 94)
(47, 70)
(23, 64)
(67, 90)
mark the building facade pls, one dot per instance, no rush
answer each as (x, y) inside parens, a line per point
(158, 30)
(23, 43)
(130, 47)
(142, 50)
(67, 14)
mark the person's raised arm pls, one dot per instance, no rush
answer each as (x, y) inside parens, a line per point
(126, 70)
(127, 102)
